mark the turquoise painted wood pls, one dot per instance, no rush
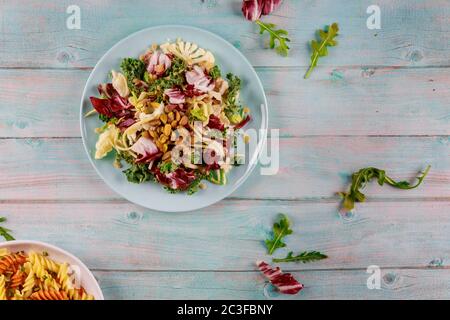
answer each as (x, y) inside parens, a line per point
(311, 168)
(414, 32)
(391, 233)
(352, 104)
(381, 98)
(325, 284)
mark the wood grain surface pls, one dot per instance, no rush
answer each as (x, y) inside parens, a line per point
(381, 98)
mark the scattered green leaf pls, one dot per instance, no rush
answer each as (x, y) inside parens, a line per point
(306, 256)
(363, 176)
(275, 35)
(320, 49)
(5, 233)
(280, 230)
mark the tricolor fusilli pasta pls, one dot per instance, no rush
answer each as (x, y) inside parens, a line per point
(35, 276)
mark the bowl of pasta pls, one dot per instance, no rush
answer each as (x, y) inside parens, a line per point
(33, 270)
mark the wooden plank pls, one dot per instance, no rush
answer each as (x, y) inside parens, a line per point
(310, 168)
(45, 103)
(343, 285)
(413, 33)
(230, 235)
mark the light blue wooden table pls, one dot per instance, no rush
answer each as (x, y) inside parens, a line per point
(381, 98)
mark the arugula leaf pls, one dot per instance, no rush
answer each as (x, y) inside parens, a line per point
(275, 35)
(5, 233)
(363, 176)
(280, 230)
(320, 49)
(138, 173)
(305, 256)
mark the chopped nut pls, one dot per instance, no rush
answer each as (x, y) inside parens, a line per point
(167, 129)
(174, 124)
(177, 116)
(163, 138)
(170, 116)
(184, 120)
(155, 122)
(202, 186)
(153, 134)
(165, 147)
(163, 118)
(166, 109)
(166, 155)
(145, 134)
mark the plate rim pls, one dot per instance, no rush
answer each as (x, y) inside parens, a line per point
(264, 118)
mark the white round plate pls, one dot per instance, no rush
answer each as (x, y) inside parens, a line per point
(151, 195)
(86, 278)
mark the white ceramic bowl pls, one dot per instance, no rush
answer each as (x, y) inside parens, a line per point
(86, 277)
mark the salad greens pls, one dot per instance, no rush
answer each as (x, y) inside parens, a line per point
(215, 72)
(138, 173)
(132, 69)
(173, 89)
(233, 109)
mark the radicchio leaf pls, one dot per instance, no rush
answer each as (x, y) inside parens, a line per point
(190, 91)
(158, 63)
(270, 5)
(113, 105)
(284, 282)
(146, 149)
(253, 9)
(199, 79)
(125, 123)
(214, 123)
(176, 96)
(179, 179)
